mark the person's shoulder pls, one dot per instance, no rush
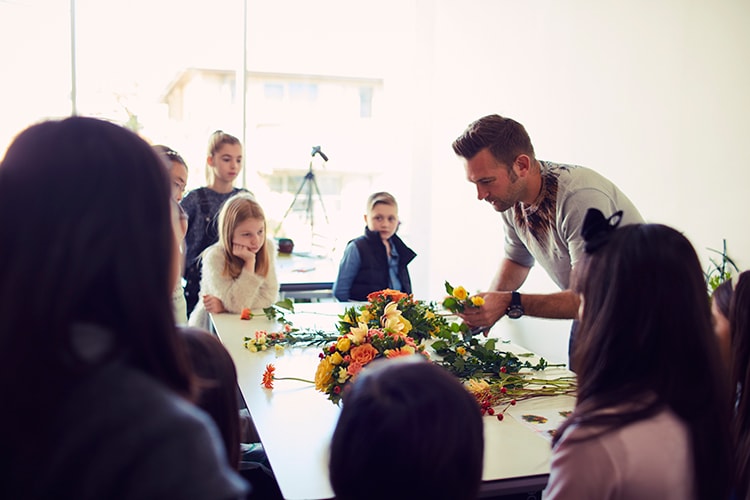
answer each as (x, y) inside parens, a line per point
(214, 254)
(191, 197)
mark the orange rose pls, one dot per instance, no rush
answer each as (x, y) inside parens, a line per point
(394, 295)
(363, 354)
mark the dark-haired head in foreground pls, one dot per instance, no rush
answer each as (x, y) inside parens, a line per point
(408, 429)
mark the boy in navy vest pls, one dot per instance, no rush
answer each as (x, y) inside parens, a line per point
(376, 260)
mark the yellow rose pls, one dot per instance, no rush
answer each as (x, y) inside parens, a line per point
(343, 344)
(460, 293)
(365, 317)
(477, 300)
(323, 375)
(336, 358)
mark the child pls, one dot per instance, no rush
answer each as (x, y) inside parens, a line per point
(418, 419)
(223, 165)
(217, 396)
(640, 429)
(739, 320)
(100, 379)
(238, 271)
(178, 173)
(378, 259)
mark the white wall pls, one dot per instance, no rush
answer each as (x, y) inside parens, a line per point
(654, 95)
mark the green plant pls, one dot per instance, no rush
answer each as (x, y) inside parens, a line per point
(719, 271)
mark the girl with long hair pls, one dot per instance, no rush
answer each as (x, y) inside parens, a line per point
(238, 271)
(652, 410)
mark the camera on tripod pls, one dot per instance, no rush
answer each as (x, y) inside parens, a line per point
(310, 186)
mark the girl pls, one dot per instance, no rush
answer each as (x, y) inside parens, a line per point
(93, 371)
(178, 173)
(223, 165)
(238, 271)
(643, 426)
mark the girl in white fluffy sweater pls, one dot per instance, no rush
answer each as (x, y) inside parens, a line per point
(238, 271)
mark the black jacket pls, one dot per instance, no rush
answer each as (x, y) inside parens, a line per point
(373, 272)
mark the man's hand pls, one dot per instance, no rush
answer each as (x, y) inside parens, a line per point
(494, 307)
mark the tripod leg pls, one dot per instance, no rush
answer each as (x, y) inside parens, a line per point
(320, 198)
(294, 200)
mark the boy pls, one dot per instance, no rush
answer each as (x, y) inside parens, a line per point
(378, 259)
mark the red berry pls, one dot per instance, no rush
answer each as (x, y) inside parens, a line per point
(491, 411)
(337, 389)
(503, 369)
(500, 416)
(332, 349)
(513, 402)
(503, 390)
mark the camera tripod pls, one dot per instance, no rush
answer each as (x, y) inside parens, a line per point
(311, 184)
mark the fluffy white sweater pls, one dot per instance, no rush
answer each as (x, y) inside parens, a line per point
(248, 290)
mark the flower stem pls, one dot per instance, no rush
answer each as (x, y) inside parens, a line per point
(295, 378)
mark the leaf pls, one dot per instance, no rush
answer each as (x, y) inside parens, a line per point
(287, 304)
(448, 288)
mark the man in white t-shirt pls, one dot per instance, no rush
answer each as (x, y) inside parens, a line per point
(542, 205)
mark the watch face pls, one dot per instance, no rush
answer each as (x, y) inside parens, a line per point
(515, 312)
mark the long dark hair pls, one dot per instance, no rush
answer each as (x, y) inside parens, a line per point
(216, 380)
(85, 239)
(404, 412)
(645, 326)
(739, 321)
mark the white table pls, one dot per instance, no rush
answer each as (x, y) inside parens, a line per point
(295, 422)
(303, 276)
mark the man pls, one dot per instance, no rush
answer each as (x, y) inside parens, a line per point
(542, 205)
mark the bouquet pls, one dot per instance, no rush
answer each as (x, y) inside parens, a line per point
(344, 359)
(458, 299)
(418, 319)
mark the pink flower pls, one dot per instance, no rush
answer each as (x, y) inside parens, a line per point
(353, 369)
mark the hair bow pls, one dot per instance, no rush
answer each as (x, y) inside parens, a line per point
(597, 229)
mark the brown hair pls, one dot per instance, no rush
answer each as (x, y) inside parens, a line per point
(215, 142)
(236, 210)
(216, 378)
(504, 137)
(381, 197)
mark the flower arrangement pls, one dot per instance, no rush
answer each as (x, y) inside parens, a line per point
(414, 318)
(393, 324)
(341, 361)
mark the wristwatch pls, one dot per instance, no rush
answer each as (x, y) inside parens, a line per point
(515, 309)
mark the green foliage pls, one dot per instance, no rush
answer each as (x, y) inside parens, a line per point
(719, 271)
(279, 309)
